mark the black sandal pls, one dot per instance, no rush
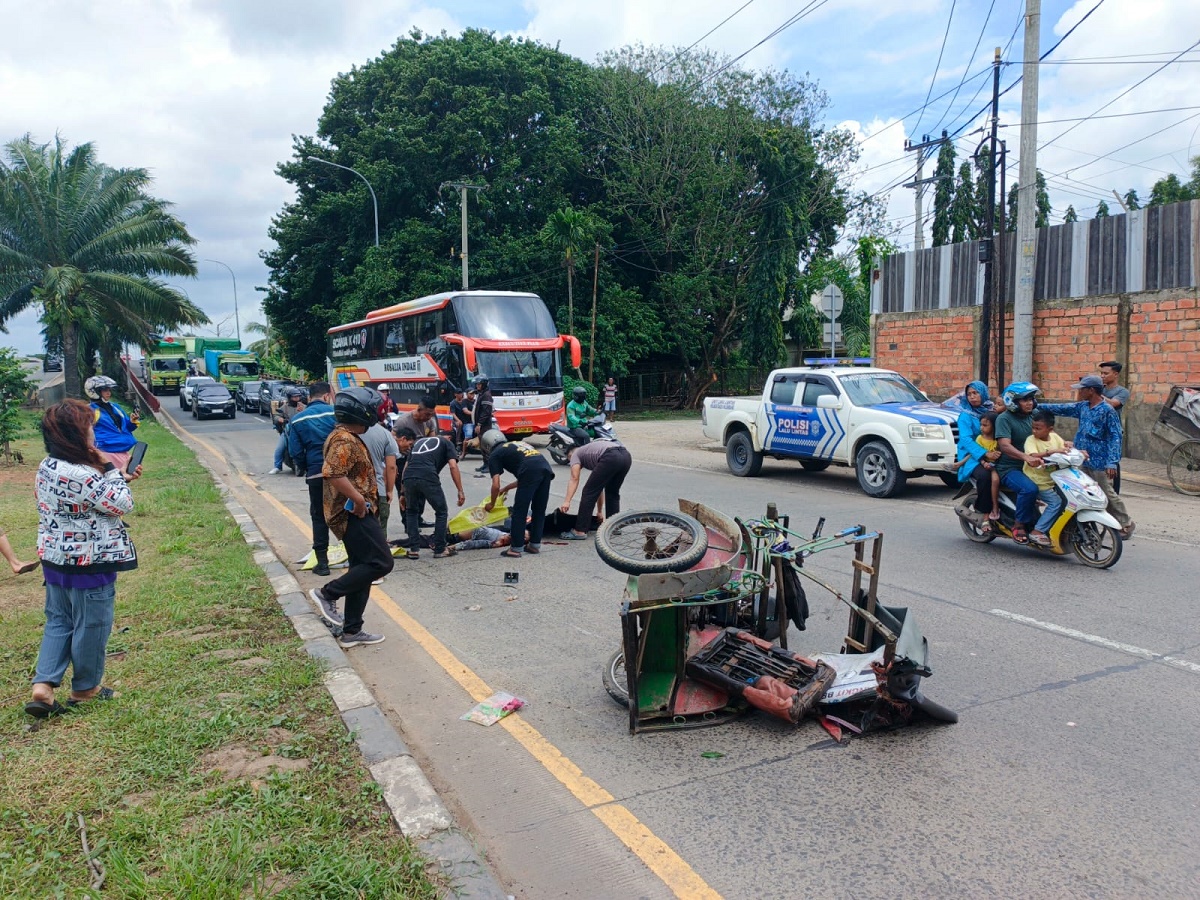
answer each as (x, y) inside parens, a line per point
(105, 693)
(40, 709)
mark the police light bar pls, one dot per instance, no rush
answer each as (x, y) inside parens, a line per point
(834, 361)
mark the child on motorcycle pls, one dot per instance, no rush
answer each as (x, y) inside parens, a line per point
(1043, 442)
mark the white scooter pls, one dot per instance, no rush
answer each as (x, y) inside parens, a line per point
(1083, 527)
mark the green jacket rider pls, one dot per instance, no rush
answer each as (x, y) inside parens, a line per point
(579, 411)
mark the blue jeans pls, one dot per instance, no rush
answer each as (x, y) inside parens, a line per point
(78, 623)
(280, 446)
(1054, 505)
(1027, 492)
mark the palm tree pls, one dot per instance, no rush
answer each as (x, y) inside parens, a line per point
(84, 242)
(566, 231)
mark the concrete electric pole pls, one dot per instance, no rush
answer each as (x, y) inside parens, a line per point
(1027, 200)
(920, 181)
(462, 188)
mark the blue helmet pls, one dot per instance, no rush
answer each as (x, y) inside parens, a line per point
(1019, 390)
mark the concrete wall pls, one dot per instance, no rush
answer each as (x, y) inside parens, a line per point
(1153, 333)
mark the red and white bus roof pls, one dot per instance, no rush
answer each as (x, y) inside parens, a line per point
(423, 304)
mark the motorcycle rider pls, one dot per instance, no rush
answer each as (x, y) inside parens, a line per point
(579, 411)
(113, 429)
(482, 417)
(279, 418)
(1099, 435)
(1013, 428)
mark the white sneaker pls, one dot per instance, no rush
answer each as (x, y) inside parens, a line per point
(362, 638)
(275, 471)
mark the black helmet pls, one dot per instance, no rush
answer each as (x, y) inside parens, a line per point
(481, 382)
(357, 406)
(579, 394)
(293, 392)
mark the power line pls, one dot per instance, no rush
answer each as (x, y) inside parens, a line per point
(1144, 112)
(1119, 96)
(938, 65)
(811, 7)
(967, 67)
(1012, 37)
(702, 37)
(1131, 143)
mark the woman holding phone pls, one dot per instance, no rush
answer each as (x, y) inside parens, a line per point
(114, 429)
(83, 544)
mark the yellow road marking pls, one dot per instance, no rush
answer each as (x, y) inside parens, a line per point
(658, 856)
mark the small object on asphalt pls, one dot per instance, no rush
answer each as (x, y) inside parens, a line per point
(493, 709)
(512, 577)
(711, 754)
(475, 608)
(510, 599)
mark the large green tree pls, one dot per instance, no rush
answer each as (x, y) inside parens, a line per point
(943, 195)
(965, 214)
(85, 244)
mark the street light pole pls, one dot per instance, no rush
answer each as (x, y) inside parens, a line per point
(374, 202)
(237, 322)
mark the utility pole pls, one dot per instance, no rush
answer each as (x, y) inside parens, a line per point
(462, 188)
(1027, 199)
(987, 239)
(920, 181)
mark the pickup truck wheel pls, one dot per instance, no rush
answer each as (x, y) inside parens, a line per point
(814, 465)
(879, 474)
(741, 457)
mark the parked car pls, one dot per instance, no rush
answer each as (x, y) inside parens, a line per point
(213, 400)
(52, 363)
(246, 396)
(189, 388)
(873, 420)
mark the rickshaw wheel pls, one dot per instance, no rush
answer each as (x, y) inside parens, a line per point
(1183, 468)
(614, 679)
(644, 541)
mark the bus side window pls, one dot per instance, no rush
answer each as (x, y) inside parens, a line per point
(410, 334)
(394, 344)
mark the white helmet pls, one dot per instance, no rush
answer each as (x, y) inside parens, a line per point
(491, 439)
(97, 383)
(384, 387)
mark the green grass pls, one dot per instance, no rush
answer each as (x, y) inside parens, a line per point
(658, 415)
(159, 818)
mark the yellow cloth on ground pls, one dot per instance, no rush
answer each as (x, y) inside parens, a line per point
(476, 517)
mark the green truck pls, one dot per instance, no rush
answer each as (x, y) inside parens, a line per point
(229, 366)
(166, 366)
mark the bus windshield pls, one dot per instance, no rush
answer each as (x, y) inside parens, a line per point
(518, 369)
(493, 318)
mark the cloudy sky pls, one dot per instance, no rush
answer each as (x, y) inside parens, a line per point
(208, 93)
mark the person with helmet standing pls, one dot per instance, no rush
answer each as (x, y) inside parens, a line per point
(483, 416)
(579, 411)
(280, 418)
(306, 442)
(349, 500)
(1013, 428)
(113, 429)
(533, 474)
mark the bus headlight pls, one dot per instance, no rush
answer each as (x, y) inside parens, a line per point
(556, 405)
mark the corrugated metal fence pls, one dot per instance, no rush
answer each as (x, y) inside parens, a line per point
(1144, 250)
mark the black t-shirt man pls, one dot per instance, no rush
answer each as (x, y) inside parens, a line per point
(517, 458)
(427, 457)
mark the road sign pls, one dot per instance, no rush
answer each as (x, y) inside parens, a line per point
(828, 301)
(831, 338)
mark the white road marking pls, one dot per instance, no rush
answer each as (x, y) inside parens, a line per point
(1099, 641)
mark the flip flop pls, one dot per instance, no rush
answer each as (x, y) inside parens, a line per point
(572, 536)
(509, 554)
(28, 567)
(39, 709)
(106, 693)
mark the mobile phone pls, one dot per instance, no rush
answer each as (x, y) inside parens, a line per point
(136, 455)
(350, 506)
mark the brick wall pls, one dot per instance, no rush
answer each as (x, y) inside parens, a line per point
(1153, 333)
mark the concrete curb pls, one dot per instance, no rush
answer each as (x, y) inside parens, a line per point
(415, 806)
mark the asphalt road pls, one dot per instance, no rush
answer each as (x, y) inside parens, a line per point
(1072, 771)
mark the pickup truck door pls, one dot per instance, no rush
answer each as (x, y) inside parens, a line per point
(827, 429)
(792, 428)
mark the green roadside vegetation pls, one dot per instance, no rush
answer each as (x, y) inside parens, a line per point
(221, 769)
(657, 415)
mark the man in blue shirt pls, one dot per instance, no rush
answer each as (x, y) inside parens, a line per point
(306, 442)
(1099, 435)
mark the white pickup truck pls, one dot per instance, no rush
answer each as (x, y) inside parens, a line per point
(872, 419)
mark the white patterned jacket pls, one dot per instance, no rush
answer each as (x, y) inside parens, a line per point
(79, 518)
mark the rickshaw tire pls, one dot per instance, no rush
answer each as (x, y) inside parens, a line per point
(636, 565)
(618, 691)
